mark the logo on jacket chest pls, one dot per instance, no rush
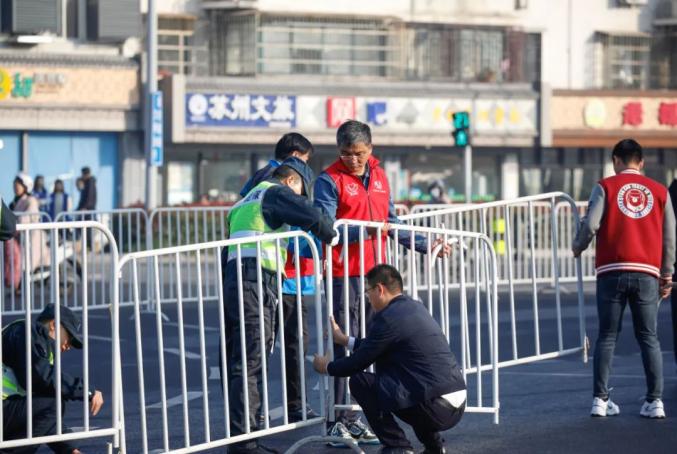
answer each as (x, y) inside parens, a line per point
(352, 189)
(378, 186)
(635, 200)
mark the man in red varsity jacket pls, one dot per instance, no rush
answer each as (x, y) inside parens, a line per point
(356, 187)
(633, 219)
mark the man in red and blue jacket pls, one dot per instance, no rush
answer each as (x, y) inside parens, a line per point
(356, 187)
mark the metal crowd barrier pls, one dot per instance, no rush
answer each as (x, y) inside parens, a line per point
(532, 238)
(182, 226)
(102, 373)
(464, 329)
(180, 430)
(490, 218)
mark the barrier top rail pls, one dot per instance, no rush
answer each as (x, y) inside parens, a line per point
(209, 245)
(497, 204)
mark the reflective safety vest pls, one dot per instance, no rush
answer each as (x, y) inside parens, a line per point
(10, 384)
(246, 219)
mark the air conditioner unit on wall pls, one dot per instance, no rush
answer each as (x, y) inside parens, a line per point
(633, 2)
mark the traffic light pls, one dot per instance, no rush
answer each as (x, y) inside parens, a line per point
(461, 131)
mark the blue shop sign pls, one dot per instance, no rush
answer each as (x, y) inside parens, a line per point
(231, 110)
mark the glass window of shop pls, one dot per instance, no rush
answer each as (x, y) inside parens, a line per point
(211, 177)
(422, 169)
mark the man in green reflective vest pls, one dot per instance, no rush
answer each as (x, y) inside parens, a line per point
(43, 376)
(272, 206)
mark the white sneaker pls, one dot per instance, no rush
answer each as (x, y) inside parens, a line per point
(653, 409)
(601, 408)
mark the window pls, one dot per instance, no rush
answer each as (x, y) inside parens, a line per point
(178, 51)
(355, 47)
(471, 54)
(625, 60)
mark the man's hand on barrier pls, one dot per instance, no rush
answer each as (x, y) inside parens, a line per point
(95, 403)
(339, 337)
(320, 364)
(665, 286)
(445, 250)
(373, 231)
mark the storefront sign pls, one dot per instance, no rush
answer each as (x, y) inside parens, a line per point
(339, 110)
(240, 110)
(24, 85)
(33, 85)
(156, 142)
(571, 111)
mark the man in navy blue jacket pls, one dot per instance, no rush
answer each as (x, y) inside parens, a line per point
(417, 378)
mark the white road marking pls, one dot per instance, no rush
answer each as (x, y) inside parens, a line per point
(176, 351)
(178, 400)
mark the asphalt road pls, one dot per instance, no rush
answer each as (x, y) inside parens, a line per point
(544, 406)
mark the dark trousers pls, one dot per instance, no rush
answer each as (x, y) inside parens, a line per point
(44, 423)
(673, 304)
(427, 419)
(615, 290)
(294, 356)
(254, 347)
(353, 309)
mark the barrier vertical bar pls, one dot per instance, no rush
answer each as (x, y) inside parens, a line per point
(222, 340)
(182, 349)
(161, 354)
(262, 334)
(139, 359)
(511, 285)
(203, 350)
(555, 273)
(534, 292)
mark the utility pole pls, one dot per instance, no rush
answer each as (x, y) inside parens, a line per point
(152, 160)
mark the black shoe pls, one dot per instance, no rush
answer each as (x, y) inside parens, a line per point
(395, 450)
(251, 449)
(441, 450)
(297, 415)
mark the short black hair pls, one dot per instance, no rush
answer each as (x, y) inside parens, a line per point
(290, 143)
(353, 132)
(386, 275)
(285, 172)
(85, 170)
(628, 151)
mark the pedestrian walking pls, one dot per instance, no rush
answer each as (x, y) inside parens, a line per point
(43, 376)
(416, 375)
(633, 219)
(272, 206)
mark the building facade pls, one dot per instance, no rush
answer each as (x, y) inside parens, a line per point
(276, 66)
(70, 94)
(536, 76)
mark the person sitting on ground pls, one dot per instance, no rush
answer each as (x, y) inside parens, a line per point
(417, 377)
(43, 377)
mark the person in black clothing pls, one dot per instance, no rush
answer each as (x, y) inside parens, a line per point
(88, 193)
(14, 405)
(673, 296)
(271, 206)
(290, 144)
(417, 378)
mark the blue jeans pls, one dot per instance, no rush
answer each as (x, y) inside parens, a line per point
(640, 291)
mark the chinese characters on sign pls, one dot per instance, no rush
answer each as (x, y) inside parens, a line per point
(339, 110)
(156, 140)
(667, 113)
(377, 113)
(204, 109)
(632, 114)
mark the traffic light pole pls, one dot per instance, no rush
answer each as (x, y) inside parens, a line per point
(467, 171)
